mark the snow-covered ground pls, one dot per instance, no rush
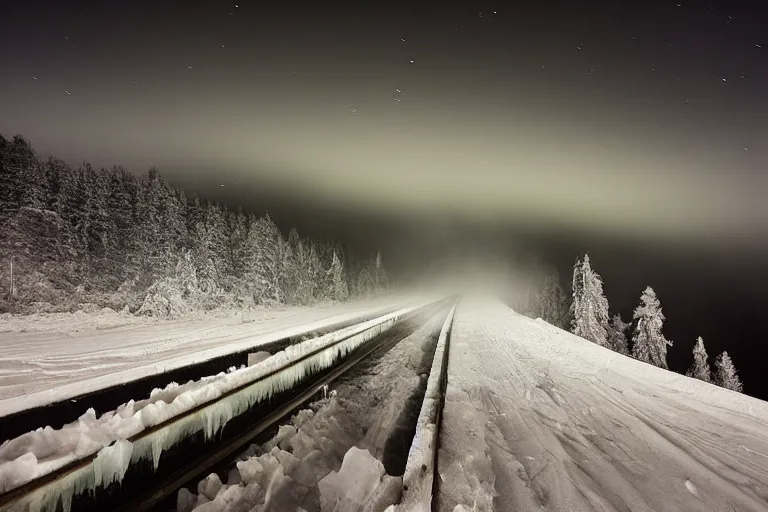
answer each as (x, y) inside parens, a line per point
(37, 368)
(536, 418)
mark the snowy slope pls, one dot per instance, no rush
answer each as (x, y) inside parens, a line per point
(41, 368)
(538, 419)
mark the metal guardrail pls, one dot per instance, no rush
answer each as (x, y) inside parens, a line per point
(256, 384)
(419, 476)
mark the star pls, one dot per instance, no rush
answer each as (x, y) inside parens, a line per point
(135, 84)
(398, 90)
(34, 78)
(190, 68)
(353, 110)
(759, 45)
(411, 62)
(68, 93)
(746, 149)
(403, 39)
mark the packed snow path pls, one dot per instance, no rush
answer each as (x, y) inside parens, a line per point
(42, 368)
(536, 418)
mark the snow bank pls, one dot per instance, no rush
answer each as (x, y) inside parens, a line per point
(38, 369)
(536, 417)
(45, 450)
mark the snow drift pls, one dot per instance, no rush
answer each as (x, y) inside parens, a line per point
(538, 418)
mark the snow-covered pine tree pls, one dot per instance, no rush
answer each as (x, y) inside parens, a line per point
(119, 204)
(590, 307)
(380, 274)
(287, 277)
(552, 303)
(304, 272)
(315, 272)
(700, 368)
(265, 267)
(340, 291)
(617, 335)
(366, 283)
(648, 343)
(238, 234)
(725, 373)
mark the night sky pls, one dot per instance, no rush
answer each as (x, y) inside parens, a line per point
(634, 130)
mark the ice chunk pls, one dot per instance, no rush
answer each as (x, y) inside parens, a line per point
(253, 494)
(386, 494)
(258, 357)
(301, 444)
(353, 484)
(185, 500)
(250, 469)
(209, 486)
(22, 469)
(281, 439)
(201, 500)
(234, 478)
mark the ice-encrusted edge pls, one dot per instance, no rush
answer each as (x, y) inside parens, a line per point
(109, 465)
(420, 467)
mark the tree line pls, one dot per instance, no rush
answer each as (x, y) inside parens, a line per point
(109, 237)
(586, 315)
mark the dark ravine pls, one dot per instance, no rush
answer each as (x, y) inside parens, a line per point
(399, 443)
(58, 414)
